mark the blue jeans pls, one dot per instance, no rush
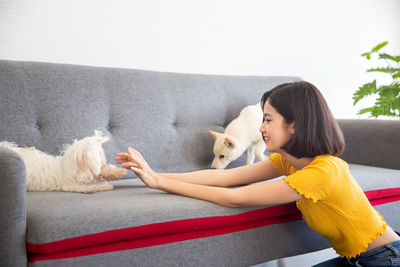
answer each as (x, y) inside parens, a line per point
(387, 255)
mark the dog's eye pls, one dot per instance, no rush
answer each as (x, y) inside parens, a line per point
(221, 156)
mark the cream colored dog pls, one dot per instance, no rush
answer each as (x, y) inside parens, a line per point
(81, 167)
(242, 134)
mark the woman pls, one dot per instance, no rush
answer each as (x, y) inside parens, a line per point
(306, 140)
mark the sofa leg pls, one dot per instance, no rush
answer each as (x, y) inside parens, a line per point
(281, 263)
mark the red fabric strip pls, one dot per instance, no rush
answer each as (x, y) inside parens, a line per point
(165, 228)
(174, 231)
(160, 240)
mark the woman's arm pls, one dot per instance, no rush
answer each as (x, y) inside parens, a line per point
(251, 195)
(260, 171)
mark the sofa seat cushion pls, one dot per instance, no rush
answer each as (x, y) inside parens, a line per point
(63, 225)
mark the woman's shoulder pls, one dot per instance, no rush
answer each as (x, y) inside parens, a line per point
(329, 158)
(329, 161)
(320, 164)
(281, 165)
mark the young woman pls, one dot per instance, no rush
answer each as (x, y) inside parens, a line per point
(306, 140)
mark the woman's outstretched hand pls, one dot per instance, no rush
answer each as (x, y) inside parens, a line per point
(134, 161)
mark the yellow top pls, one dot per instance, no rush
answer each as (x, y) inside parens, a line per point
(334, 204)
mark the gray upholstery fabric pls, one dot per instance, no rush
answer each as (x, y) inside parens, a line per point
(224, 250)
(12, 206)
(281, 240)
(165, 116)
(372, 142)
(374, 178)
(131, 204)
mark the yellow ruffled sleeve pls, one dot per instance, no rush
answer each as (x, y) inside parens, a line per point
(281, 165)
(316, 181)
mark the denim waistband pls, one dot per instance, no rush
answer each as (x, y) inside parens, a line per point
(393, 247)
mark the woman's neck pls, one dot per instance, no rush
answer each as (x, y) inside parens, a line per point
(298, 163)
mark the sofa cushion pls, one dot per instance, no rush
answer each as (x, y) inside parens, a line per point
(62, 225)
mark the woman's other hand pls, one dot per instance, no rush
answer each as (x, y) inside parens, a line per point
(122, 158)
(134, 161)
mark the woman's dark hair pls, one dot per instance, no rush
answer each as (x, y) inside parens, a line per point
(316, 130)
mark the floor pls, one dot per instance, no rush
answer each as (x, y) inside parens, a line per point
(305, 260)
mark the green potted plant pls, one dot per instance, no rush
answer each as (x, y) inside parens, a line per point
(387, 95)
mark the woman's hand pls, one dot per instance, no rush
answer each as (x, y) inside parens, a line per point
(122, 158)
(134, 161)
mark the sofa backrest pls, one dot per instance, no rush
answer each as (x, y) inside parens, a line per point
(166, 116)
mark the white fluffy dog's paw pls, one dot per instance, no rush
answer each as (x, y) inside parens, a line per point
(112, 172)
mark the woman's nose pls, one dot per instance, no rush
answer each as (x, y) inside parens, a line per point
(262, 128)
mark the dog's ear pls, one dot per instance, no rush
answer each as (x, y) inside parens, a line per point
(84, 158)
(230, 142)
(101, 137)
(214, 134)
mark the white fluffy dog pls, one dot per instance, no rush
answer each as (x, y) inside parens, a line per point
(81, 167)
(241, 134)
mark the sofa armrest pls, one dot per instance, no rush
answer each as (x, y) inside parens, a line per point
(12, 209)
(372, 142)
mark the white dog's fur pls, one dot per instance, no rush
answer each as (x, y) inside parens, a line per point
(81, 167)
(242, 134)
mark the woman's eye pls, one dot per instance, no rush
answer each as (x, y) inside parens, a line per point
(221, 156)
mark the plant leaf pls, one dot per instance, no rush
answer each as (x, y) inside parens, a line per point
(383, 69)
(396, 106)
(390, 57)
(367, 55)
(379, 46)
(389, 91)
(364, 91)
(388, 101)
(365, 110)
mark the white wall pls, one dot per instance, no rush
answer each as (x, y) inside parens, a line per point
(321, 41)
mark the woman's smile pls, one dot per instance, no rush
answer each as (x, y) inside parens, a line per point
(275, 128)
(266, 138)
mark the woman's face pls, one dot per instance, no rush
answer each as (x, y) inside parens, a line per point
(275, 131)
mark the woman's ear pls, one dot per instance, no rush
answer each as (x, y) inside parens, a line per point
(291, 128)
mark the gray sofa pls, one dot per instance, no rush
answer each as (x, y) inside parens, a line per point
(166, 116)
